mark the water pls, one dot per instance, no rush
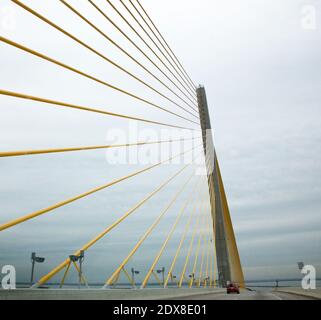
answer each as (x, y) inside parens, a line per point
(268, 284)
(252, 284)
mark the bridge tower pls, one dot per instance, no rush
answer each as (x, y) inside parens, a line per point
(228, 260)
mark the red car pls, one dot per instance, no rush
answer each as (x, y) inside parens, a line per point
(232, 288)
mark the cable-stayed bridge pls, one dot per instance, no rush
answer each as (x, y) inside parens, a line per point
(205, 253)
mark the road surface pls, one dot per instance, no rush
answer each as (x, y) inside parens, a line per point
(247, 295)
(149, 294)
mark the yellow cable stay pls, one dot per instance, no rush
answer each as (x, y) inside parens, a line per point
(32, 215)
(157, 46)
(193, 94)
(85, 108)
(36, 14)
(57, 150)
(169, 235)
(115, 274)
(56, 62)
(190, 248)
(62, 265)
(145, 55)
(166, 43)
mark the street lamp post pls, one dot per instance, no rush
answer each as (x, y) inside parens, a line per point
(192, 278)
(34, 259)
(133, 275)
(300, 265)
(207, 280)
(80, 258)
(173, 278)
(163, 273)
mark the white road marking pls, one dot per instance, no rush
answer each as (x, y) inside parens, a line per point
(277, 297)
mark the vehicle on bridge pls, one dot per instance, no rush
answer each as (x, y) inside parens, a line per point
(232, 288)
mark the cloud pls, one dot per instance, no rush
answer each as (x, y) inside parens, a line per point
(261, 73)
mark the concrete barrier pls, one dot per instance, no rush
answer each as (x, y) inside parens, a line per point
(103, 294)
(313, 293)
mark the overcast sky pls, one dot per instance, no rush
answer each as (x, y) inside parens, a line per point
(260, 63)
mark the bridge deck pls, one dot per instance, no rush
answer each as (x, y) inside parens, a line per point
(99, 294)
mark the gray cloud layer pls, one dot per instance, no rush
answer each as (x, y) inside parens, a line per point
(262, 75)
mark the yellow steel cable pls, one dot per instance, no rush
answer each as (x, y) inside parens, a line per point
(211, 247)
(169, 235)
(208, 248)
(159, 49)
(210, 189)
(148, 232)
(207, 257)
(190, 245)
(211, 192)
(233, 254)
(212, 212)
(131, 280)
(187, 226)
(211, 268)
(84, 108)
(202, 244)
(145, 55)
(36, 14)
(214, 256)
(202, 279)
(196, 254)
(132, 58)
(150, 48)
(165, 42)
(185, 85)
(155, 35)
(45, 151)
(82, 277)
(32, 215)
(213, 250)
(42, 56)
(57, 269)
(201, 208)
(157, 278)
(200, 274)
(65, 275)
(159, 41)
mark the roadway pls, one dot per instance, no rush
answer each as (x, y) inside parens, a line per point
(247, 295)
(146, 294)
